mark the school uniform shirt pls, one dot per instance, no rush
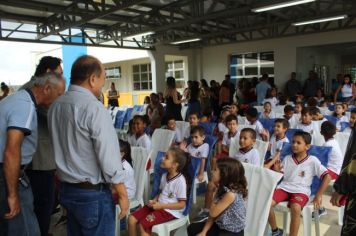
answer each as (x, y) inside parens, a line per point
(222, 127)
(310, 128)
(298, 176)
(129, 179)
(227, 138)
(293, 121)
(172, 191)
(271, 115)
(339, 120)
(202, 151)
(277, 144)
(259, 128)
(250, 156)
(142, 141)
(335, 156)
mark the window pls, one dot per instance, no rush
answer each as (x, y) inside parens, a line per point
(142, 77)
(113, 72)
(251, 65)
(176, 69)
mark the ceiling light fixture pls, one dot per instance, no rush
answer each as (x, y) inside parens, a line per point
(320, 20)
(186, 41)
(281, 5)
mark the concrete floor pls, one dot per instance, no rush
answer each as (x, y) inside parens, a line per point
(328, 223)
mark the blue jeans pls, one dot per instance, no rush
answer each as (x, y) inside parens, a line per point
(89, 212)
(42, 184)
(25, 223)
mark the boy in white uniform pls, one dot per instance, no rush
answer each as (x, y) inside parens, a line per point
(251, 116)
(351, 121)
(299, 170)
(307, 124)
(247, 153)
(193, 121)
(198, 149)
(290, 116)
(139, 137)
(171, 125)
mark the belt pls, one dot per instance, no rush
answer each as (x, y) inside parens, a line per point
(22, 167)
(88, 185)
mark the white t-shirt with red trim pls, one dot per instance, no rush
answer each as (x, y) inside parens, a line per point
(227, 138)
(298, 176)
(172, 191)
(251, 156)
(142, 141)
(310, 128)
(335, 156)
(277, 144)
(202, 151)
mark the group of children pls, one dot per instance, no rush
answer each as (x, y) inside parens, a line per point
(224, 208)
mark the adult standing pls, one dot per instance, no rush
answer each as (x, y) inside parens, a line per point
(204, 95)
(113, 95)
(18, 132)
(345, 88)
(224, 94)
(261, 89)
(193, 101)
(311, 85)
(87, 153)
(5, 91)
(232, 88)
(41, 171)
(293, 86)
(345, 185)
(173, 102)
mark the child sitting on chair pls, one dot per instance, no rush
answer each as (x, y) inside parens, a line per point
(299, 170)
(276, 141)
(307, 124)
(193, 119)
(339, 113)
(267, 111)
(290, 116)
(222, 125)
(139, 138)
(169, 204)
(351, 122)
(251, 116)
(197, 148)
(171, 125)
(227, 214)
(247, 153)
(316, 114)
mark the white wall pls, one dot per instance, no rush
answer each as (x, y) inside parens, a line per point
(215, 59)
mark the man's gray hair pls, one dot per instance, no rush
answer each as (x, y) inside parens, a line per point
(47, 78)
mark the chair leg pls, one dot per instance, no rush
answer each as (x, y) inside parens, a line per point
(146, 188)
(117, 221)
(307, 219)
(195, 193)
(286, 222)
(341, 215)
(317, 223)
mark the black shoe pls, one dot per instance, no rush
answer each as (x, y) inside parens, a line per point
(278, 232)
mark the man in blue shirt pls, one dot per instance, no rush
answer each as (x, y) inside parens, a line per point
(18, 132)
(261, 89)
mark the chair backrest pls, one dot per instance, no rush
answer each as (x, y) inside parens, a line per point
(343, 139)
(119, 119)
(159, 171)
(161, 141)
(140, 159)
(279, 109)
(290, 133)
(322, 153)
(279, 114)
(268, 124)
(344, 125)
(211, 140)
(259, 108)
(331, 118)
(317, 139)
(260, 145)
(208, 127)
(241, 120)
(128, 114)
(241, 127)
(182, 126)
(261, 183)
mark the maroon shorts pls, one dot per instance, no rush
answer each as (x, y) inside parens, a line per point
(335, 176)
(280, 195)
(148, 217)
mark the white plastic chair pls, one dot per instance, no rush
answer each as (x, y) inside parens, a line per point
(343, 139)
(279, 109)
(260, 145)
(242, 126)
(279, 115)
(259, 108)
(139, 160)
(182, 126)
(261, 183)
(317, 139)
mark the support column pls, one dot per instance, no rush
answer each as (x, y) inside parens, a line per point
(158, 70)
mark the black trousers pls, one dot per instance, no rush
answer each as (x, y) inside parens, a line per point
(349, 226)
(196, 228)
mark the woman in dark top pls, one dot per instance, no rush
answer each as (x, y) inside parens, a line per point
(194, 102)
(173, 102)
(113, 95)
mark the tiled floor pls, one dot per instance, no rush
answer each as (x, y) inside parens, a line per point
(328, 223)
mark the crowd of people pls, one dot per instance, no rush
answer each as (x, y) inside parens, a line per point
(56, 143)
